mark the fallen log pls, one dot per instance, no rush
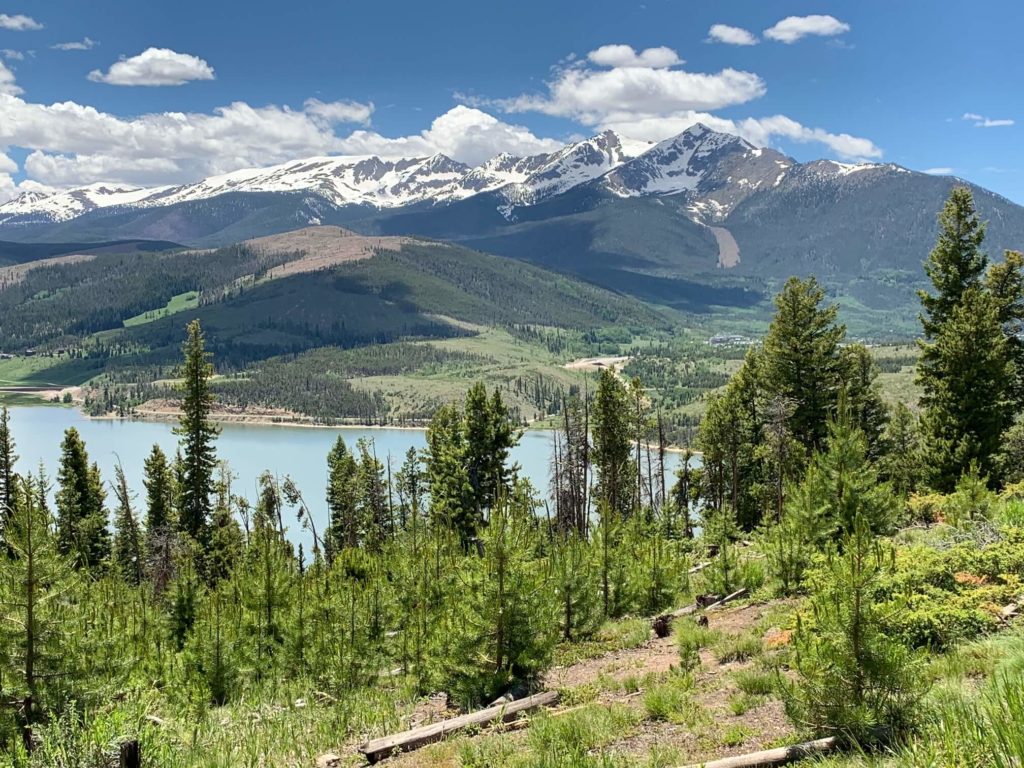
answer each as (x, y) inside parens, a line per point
(378, 749)
(728, 599)
(770, 757)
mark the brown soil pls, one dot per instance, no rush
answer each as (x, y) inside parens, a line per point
(323, 247)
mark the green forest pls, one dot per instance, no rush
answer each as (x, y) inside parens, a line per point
(824, 565)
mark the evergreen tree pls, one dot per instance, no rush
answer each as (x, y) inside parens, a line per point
(853, 680)
(1005, 283)
(409, 483)
(612, 445)
(372, 497)
(843, 484)
(966, 375)
(82, 531)
(956, 263)
(226, 541)
(197, 435)
(35, 611)
(489, 438)
(900, 463)
(160, 529)
(801, 358)
(7, 461)
(863, 398)
(129, 557)
(344, 529)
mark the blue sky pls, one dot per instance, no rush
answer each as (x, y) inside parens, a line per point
(151, 93)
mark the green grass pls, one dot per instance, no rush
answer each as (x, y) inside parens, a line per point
(691, 638)
(179, 303)
(39, 370)
(618, 635)
(732, 648)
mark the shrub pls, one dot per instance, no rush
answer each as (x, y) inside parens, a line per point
(737, 648)
(691, 638)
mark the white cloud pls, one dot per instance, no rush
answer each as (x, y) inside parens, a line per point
(723, 33)
(624, 56)
(761, 131)
(18, 22)
(7, 165)
(71, 144)
(940, 171)
(980, 121)
(793, 28)
(463, 133)
(593, 95)
(155, 66)
(12, 55)
(335, 112)
(85, 44)
(7, 84)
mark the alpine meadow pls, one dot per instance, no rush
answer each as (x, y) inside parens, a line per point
(532, 386)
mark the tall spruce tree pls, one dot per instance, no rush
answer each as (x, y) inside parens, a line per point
(967, 387)
(801, 358)
(1005, 283)
(197, 434)
(956, 263)
(611, 455)
(82, 531)
(344, 529)
(129, 552)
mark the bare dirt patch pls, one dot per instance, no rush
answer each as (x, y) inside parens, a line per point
(728, 248)
(323, 247)
(15, 273)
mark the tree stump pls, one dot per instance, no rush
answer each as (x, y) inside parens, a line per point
(130, 754)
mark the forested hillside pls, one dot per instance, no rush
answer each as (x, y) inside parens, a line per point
(832, 568)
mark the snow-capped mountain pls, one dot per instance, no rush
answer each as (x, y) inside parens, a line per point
(625, 167)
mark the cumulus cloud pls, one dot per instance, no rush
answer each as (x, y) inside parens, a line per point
(12, 55)
(940, 171)
(7, 84)
(85, 44)
(654, 103)
(762, 131)
(592, 95)
(624, 56)
(980, 121)
(336, 112)
(793, 28)
(463, 133)
(723, 33)
(155, 66)
(71, 144)
(18, 22)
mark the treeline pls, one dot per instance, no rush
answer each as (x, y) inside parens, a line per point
(58, 303)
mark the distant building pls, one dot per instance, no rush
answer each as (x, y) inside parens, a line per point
(729, 340)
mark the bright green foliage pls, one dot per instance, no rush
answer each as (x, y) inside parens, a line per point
(610, 417)
(467, 461)
(720, 531)
(197, 434)
(160, 493)
(966, 375)
(36, 613)
(575, 578)
(510, 623)
(843, 485)
(853, 679)
(128, 553)
(801, 358)
(226, 541)
(956, 263)
(371, 497)
(82, 531)
(1005, 283)
(1010, 459)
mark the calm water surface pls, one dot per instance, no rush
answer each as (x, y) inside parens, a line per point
(299, 452)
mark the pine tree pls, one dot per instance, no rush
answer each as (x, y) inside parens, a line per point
(612, 445)
(160, 528)
(197, 435)
(966, 399)
(956, 263)
(371, 497)
(35, 610)
(82, 531)
(900, 464)
(800, 359)
(344, 529)
(867, 409)
(128, 554)
(226, 542)
(7, 476)
(844, 485)
(1005, 283)
(409, 483)
(853, 680)
(488, 437)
